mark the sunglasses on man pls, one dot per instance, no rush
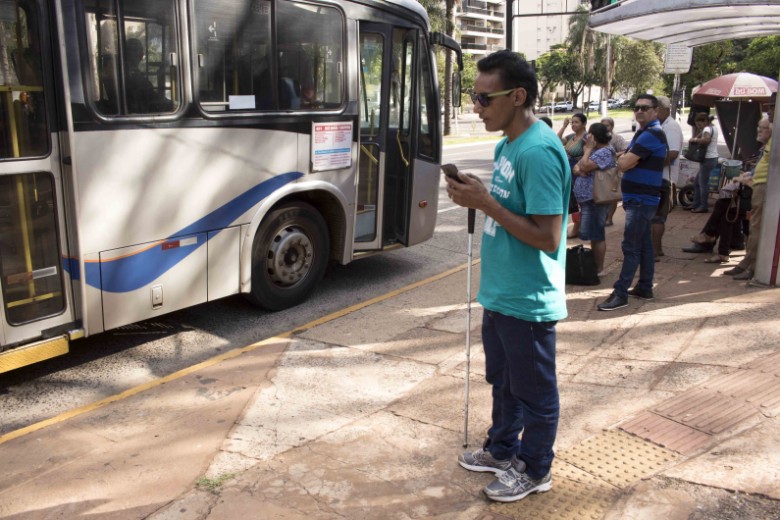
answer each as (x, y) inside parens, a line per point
(484, 99)
(643, 108)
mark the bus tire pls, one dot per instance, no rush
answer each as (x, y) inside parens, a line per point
(289, 256)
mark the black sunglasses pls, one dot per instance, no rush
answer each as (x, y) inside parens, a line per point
(642, 108)
(484, 99)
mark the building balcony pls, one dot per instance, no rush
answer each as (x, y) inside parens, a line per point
(487, 12)
(482, 32)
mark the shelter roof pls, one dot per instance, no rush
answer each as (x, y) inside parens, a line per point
(689, 22)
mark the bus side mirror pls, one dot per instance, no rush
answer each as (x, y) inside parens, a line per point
(456, 94)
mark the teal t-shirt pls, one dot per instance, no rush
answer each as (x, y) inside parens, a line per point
(531, 176)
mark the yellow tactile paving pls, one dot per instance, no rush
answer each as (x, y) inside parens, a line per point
(576, 496)
(618, 457)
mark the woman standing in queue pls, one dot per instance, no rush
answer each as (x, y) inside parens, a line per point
(707, 134)
(597, 155)
(618, 144)
(574, 144)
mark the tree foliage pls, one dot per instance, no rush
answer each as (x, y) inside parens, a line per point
(639, 65)
(762, 56)
(558, 66)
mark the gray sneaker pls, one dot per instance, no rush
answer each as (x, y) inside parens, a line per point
(515, 484)
(481, 460)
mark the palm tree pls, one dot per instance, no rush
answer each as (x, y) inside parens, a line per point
(449, 20)
(586, 45)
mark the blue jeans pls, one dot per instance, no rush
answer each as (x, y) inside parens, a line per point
(637, 248)
(593, 218)
(520, 366)
(701, 190)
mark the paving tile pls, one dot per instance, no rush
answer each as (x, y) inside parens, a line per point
(705, 410)
(618, 458)
(667, 433)
(749, 462)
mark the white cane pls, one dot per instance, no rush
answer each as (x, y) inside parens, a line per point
(471, 218)
(451, 171)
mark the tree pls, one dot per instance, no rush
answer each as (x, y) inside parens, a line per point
(762, 56)
(545, 73)
(449, 22)
(639, 66)
(585, 46)
(560, 66)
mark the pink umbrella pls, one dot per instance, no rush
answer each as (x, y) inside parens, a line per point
(737, 86)
(740, 86)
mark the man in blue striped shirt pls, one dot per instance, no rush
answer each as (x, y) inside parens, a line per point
(643, 166)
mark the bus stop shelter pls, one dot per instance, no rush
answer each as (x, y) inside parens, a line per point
(698, 22)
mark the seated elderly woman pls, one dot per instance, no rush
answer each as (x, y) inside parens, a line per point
(734, 201)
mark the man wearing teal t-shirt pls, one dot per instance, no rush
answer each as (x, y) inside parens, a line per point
(522, 277)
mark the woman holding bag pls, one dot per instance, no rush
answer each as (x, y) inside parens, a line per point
(597, 155)
(706, 135)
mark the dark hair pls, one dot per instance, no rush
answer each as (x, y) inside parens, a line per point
(546, 120)
(514, 72)
(652, 98)
(582, 117)
(600, 133)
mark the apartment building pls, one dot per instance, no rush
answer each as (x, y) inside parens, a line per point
(481, 24)
(537, 25)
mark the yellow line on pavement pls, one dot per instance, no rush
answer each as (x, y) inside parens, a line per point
(222, 357)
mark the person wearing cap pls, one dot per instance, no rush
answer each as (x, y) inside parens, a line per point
(745, 268)
(674, 140)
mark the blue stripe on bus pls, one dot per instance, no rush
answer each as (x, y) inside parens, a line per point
(134, 271)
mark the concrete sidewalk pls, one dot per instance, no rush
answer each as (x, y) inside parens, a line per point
(669, 410)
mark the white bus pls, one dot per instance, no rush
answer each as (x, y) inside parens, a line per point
(158, 154)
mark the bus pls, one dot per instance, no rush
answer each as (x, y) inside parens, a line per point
(158, 154)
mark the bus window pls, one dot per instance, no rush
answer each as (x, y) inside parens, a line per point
(233, 49)
(310, 56)
(401, 81)
(428, 111)
(131, 45)
(236, 68)
(23, 127)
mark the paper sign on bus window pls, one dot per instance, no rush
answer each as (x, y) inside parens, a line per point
(241, 102)
(331, 145)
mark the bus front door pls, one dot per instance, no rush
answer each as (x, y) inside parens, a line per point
(387, 111)
(35, 295)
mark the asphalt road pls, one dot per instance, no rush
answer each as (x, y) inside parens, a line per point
(107, 364)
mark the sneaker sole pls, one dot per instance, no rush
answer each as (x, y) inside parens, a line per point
(547, 486)
(613, 308)
(482, 469)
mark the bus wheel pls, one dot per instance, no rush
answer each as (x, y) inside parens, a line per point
(289, 256)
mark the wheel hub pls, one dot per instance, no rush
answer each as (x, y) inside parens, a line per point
(289, 257)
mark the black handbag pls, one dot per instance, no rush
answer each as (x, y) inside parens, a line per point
(581, 266)
(696, 152)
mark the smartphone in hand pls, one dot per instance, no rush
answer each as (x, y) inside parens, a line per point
(451, 171)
